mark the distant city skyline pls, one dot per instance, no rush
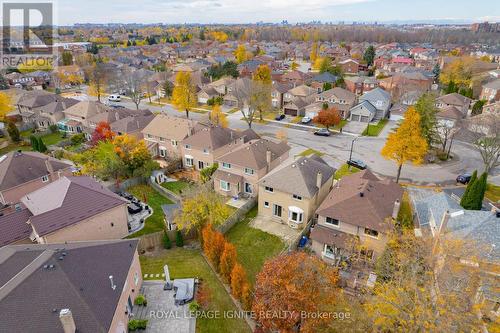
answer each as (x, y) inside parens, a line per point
(240, 11)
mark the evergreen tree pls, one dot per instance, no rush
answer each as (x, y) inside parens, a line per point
(42, 148)
(128, 43)
(475, 195)
(167, 244)
(467, 189)
(369, 55)
(13, 131)
(179, 240)
(34, 142)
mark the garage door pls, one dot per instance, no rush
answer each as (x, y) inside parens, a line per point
(291, 112)
(355, 117)
(365, 119)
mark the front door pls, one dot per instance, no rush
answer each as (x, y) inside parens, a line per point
(277, 210)
(130, 306)
(248, 188)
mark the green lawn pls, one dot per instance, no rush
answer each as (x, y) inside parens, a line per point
(177, 187)
(374, 130)
(340, 125)
(345, 170)
(15, 146)
(234, 110)
(254, 246)
(405, 215)
(186, 263)
(493, 192)
(154, 199)
(310, 151)
(52, 138)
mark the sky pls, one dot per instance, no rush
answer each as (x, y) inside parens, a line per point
(251, 11)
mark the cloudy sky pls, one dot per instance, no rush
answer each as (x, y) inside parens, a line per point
(249, 11)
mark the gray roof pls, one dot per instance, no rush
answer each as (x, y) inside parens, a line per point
(68, 201)
(31, 296)
(212, 137)
(17, 168)
(364, 105)
(380, 98)
(299, 177)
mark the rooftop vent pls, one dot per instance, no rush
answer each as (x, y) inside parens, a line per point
(361, 194)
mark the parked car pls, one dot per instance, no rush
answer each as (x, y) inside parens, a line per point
(357, 164)
(116, 106)
(134, 208)
(322, 132)
(114, 98)
(464, 178)
(306, 120)
(279, 117)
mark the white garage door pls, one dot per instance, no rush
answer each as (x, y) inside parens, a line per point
(365, 119)
(354, 117)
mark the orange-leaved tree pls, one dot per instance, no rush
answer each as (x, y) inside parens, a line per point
(406, 144)
(102, 132)
(238, 280)
(292, 284)
(213, 245)
(328, 117)
(227, 261)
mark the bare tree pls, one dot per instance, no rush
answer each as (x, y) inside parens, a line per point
(242, 91)
(134, 83)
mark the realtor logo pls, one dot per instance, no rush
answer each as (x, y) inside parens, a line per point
(27, 33)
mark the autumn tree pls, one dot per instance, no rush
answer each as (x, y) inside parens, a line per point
(227, 261)
(5, 105)
(459, 72)
(406, 144)
(213, 245)
(98, 78)
(241, 54)
(67, 58)
(184, 94)
(102, 132)
(291, 284)
(426, 108)
(261, 99)
(13, 131)
(217, 117)
(238, 280)
(328, 117)
(135, 82)
(134, 155)
(314, 54)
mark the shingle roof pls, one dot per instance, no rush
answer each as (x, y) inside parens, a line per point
(299, 177)
(17, 168)
(168, 127)
(212, 137)
(362, 199)
(13, 227)
(32, 300)
(67, 201)
(454, 99)
(86, 109)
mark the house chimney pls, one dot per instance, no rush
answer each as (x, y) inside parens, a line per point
(319, 179)
(67, 321)
(395, 210)
(268, 160)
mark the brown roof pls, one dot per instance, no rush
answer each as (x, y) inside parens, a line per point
(212, 137)
(32, 293)
(68, 201)
(86, 109)
(13, 227)
(450, 112)
(454, 99)
(17, 168)
(169, 127)
(362, 199)
(227, 176)
(325, 235)
(253, 153)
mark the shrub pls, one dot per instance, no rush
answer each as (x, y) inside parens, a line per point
(194, 306)
(13, 131)
(77, 139)
(53, 128)
(179, 240)
(137, 324)
(167, 244)
(34, 142)
(141, 300)
(206, 173)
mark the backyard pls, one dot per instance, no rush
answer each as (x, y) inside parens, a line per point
(186, 263)
(177, 187)
(155, 222)
(253, 246)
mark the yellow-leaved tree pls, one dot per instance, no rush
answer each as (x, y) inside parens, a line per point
(314, 53)
(217, 117)
(241, 54)
(5, 105)
(184, 94)
(406, 144)
(260, 98)
(460, 71)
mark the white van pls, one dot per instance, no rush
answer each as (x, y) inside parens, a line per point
(114, 98)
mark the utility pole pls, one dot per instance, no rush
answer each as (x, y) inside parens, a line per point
(352, 145)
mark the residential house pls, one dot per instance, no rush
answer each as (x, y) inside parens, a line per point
(491, 91)
(373, 106)
(318, 82)
(295, 77)
(30, 101)
(461, 102)
(69, 287)
(351, 66)
(163, 135)
(291, 194)
(296, 99)
(277, 94)
(132, 125)
(207, 93)
(75, 209)
(360, 84)
(339, 98)
(356, 218)
(201, 149)
(24, 172)
(241, 168)
(401, 83)
(76, 117)
(238, 93)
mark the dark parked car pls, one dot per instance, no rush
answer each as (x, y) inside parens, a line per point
(357, 164)
(280, 117)
(134, 208)
(464, 178)
(322, 132)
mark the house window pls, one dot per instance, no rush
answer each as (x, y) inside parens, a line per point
(149, 136)
(225, 186)
(277, 210)
(332, 221)
(189, 161)
(297, 197)
(45, 178)
(163, 152)
(296, 217)
(174, 143)
(371, 233)
(331, 251)
(162, 139)
(136, 278)
(188, 147)
(269, 189)
(249, 171)
(205, 151)
(266, 204)
(248, 188)
(226, 165)
(368, 254)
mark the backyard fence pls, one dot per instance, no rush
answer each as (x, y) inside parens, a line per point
(166, 193)
(124, 185)
(293, 245)
(237, 215)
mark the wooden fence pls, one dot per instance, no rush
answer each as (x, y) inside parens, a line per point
(237, 215)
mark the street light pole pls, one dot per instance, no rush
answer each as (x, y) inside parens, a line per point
(352, 145)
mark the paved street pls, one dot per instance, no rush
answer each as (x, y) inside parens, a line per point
(337, 149)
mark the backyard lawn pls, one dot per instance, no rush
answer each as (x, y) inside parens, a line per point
(345, 170)
(177, 187)
(374, 130)
(310, 151)
(254, 246)
(493, 192)
(155, 222)
(186, 263)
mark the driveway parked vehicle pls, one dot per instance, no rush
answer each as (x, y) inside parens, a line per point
(306, 120)
(280, 117)
(322, 132)
(134, 208)
(464, 178)
(357, 164)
